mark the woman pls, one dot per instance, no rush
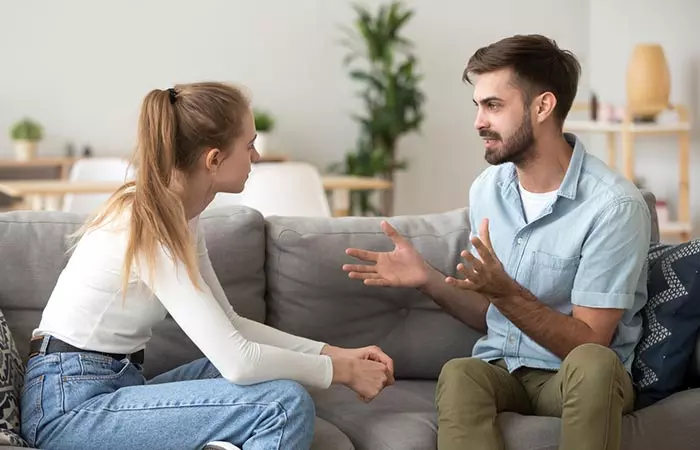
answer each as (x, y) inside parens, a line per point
(144, 256)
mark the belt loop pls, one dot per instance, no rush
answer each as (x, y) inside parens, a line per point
(44, 345)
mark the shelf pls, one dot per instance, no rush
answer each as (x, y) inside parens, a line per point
(619, 127)
(679, 228)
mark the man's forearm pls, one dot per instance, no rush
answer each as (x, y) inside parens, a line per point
(467, 306)
(555, 331)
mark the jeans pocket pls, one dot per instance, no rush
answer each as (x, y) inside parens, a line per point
(94, 367)
(87, 375)
(31, 408)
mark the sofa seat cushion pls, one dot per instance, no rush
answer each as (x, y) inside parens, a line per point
(328, 437)
(671, 423)
(403, 417)
(309, 294)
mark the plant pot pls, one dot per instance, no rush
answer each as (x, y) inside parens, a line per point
(261, 142)
(648, 82)
(25, 150)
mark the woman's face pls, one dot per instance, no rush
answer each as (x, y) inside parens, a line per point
(231, 168)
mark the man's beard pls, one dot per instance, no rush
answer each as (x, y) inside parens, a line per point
(516, 149)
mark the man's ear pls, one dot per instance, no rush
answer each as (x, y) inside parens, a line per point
(213, 159)
(544, 106)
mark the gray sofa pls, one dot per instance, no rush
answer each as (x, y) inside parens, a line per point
(287, 273)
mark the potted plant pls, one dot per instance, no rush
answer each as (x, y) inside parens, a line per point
(264, 123)
(26, 134)
(387, 72)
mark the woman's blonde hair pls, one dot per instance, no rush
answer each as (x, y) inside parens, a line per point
(175, 126)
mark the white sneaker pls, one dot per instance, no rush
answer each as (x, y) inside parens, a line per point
(216, 445)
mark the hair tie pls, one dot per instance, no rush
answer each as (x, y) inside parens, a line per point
(173, 95)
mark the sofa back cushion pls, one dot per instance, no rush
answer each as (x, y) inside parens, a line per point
(309, 294)
(34, 250)
(235, 237)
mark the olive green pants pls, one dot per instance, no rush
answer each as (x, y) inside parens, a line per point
(590, 392)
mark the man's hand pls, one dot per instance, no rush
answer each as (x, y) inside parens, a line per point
(485, 275)
(401, 267)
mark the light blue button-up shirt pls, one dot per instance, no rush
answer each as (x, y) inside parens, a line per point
(587, 248)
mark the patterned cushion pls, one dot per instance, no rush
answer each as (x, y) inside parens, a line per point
(671, 321)
(11, 380)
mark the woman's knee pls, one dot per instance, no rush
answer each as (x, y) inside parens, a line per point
(296, 413)
(294, 398)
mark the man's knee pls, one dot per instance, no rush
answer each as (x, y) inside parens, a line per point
(592, 364)
(460, 373)
(592, 355)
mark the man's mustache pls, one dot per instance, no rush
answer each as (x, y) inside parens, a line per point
(489, 135)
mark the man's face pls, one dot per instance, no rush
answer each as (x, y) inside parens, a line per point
(502, 120)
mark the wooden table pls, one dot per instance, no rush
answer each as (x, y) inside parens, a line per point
(48, 194)
(63, 164)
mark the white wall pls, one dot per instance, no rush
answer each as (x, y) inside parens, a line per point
(81, 67)
(615, 28)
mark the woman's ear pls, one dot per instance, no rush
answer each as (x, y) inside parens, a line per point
(213, 159)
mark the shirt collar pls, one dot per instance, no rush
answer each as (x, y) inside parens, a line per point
(569, 184)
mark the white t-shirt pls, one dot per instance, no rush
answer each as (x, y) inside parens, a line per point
(534, 202)
(87, 310)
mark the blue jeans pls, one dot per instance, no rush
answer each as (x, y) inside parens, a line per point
(89, 401)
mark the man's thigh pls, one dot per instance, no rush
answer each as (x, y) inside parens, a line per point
(466, 381)
(588, 370)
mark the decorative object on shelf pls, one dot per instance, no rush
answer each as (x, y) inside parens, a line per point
(264, 124)
(593, 107)
(391, 96)
(607, 112)
(70, 150)
(26, 134)
(648, 82)
(662, 212)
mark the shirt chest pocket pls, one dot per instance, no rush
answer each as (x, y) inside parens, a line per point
(552, 277)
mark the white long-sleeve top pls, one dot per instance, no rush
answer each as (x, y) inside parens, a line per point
(87, 310)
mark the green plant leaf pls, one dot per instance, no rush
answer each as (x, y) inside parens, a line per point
(263, 121)
(27, 129)
(391, 95)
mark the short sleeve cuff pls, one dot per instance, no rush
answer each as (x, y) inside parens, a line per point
(602, 299)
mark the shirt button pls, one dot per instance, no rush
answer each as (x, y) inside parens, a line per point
(520, 241)
(511, 339)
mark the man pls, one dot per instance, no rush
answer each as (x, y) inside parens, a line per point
(556, 276)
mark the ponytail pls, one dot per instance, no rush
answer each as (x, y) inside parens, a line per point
(157, 214)
(175, 126)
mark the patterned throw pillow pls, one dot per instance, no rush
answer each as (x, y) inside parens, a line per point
(671, 321)
(11, 380)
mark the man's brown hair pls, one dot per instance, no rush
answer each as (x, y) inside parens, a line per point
(539, 65)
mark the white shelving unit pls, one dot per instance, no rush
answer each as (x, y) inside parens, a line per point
(628, 131)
